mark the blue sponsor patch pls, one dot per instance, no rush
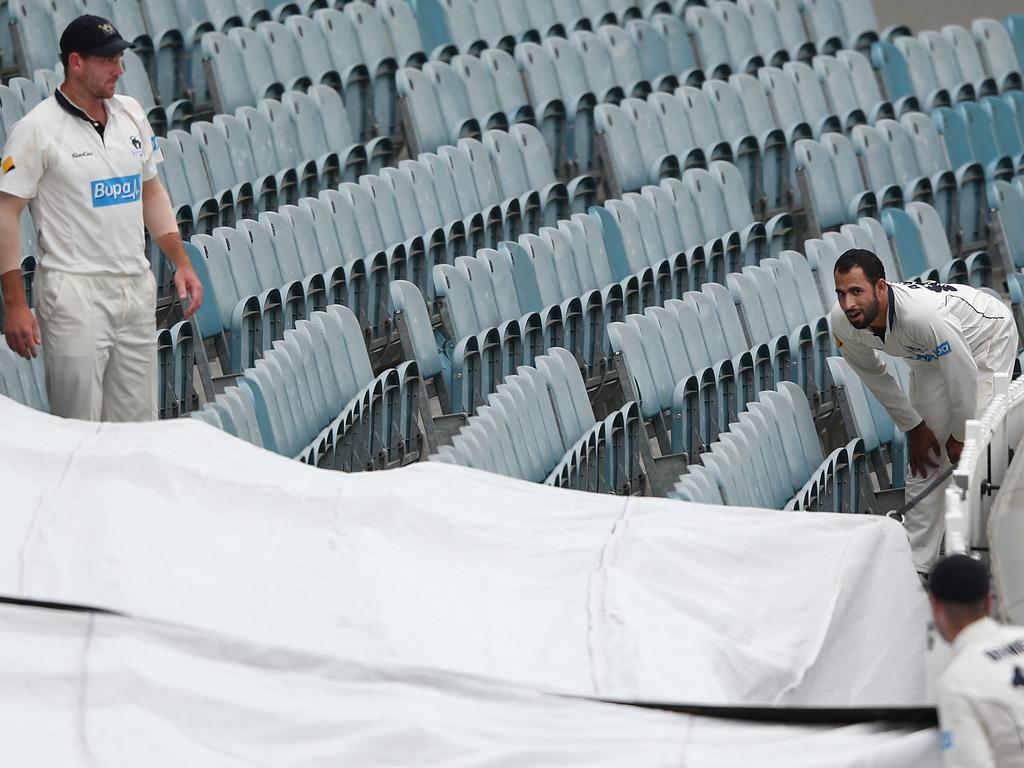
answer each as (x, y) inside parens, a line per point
(153, 142)
(947, 740)
(940, 351)
(116, 191)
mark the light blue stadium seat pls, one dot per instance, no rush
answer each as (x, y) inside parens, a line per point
(1014, 24)
(378, 52)
(23, 380)
(226, 73)
(740, 37)
(822, 188)
(176, 49)
(578, 99)
(251, 132)
(425, 125)
(948, 74)
(709, 41)
(480, 96)
(347, 57)
(1007, 203)
(767, 39)
(790, 350)
(209, 207)
(867, 419)
(1009, 141)
(930, 91)
(212, 145)
(404, 32)
(813, 104)
(824, 21)
(839, 87)
(596, 62)
(453, 103)
(314, 54)
(878, 167)
(652, 49)
(971, 122)
(625, 59)
(33, 35)
(974, 268)
(772, 189)
(859, 22)
(997, 53)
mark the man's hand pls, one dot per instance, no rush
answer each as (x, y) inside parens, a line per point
(922, 442)
(953, 449)
(188, 285)
(22, 330)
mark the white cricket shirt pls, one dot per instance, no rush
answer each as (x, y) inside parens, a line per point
(981, 698)
(84, 189)
(940, 330)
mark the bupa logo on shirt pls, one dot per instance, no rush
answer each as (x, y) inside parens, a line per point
(940, 351)
(116, 191)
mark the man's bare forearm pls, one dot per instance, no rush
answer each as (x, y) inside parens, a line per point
(10, 234)
(13, 288)
(170, 245)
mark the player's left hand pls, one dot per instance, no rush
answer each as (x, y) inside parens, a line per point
(953, 449)
(190, 287)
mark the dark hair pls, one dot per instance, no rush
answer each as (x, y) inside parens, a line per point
(866, 260)
(959, 579)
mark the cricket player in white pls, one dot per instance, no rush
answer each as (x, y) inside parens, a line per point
(84, 161)
(954, 338)
(981, 691)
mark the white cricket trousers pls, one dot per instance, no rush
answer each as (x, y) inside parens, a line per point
(99, 344)
(926, 523)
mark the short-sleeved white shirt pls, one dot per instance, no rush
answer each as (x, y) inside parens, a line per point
(84, 189)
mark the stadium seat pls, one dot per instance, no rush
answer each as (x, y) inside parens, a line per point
(1007, 203)
(830, 183)
(865, 418)
(23, 380)
(997, 53)
(754, 463)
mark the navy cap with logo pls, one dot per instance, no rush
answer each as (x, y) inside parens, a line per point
(92, 36)
(959, 579)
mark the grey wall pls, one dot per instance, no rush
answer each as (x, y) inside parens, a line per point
(920, 15)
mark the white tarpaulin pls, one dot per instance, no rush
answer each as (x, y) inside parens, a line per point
(108, 692)
(442, 567)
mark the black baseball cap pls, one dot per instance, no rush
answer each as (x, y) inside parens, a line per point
(92, 36)
(959, 579)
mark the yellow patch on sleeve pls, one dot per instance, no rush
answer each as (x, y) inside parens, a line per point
(8, 164)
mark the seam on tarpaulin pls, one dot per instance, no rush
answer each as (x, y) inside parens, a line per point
(596, 594)
(33, 529)
(83, 693)
(823, 636)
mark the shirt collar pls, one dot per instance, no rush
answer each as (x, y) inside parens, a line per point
(976, 630)
(892, 307)
(73, 109)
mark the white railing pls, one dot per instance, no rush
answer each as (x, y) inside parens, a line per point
(988, 441)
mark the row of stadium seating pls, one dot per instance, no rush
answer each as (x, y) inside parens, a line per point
(169, 37)
(315, 397)
(771, 457)
(346, 244)
(790, 26)
(616, 223)
(539, 426)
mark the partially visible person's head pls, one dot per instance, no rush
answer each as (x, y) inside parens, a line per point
(860, 286)
(958, 589)
(91, 50)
